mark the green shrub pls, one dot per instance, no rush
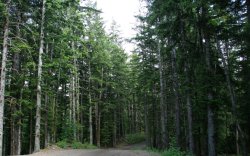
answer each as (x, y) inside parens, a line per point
(88, 146)
(172, 151)
(135, 138)
(75, 145)
(62, 144)
(79, 145)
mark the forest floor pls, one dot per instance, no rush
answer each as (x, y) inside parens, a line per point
(128, 150)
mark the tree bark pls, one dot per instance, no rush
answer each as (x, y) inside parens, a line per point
(177, 96)
(164, 138)
(97, 114)
(210, 111)
(189, 111)
(39, 89)
(31, 132)
(146, 120)
(46, 141)
(210, 129)
(16, 106)
(3, 73)
(90, 107)
(114, 129)
(238, 133)
(78, 106)
(19, 125)
(73, 90)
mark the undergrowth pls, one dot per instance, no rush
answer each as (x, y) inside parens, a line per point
(134, 138)
(75, 145)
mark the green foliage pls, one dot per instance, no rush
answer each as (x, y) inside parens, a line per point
(62, 144)
(127, 94)
(75, 145)
(172, 151)
(78, 145)
(68, 131)
(134, 138)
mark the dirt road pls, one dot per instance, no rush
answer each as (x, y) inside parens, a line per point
(129, 150)
(97, 152)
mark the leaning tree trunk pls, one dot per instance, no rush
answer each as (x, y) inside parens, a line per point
(39, 90)
(3, 73)
(238, 132)
(164, 139)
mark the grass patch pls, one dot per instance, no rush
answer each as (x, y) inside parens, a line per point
(75, 145)
(134, 138)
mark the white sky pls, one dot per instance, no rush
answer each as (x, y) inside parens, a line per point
(123, 12)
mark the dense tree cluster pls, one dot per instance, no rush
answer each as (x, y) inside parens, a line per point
(192, 66)
(62, 77)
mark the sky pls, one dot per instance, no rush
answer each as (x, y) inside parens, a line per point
(123, 12)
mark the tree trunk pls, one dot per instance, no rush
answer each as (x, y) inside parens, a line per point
(31, 132)
(90, 108)
(78, 106)
(164, 138)
(210, 129)
(19, 125)
(238, 133)
(3, 73)
(19, 142)
(146, 121)
(189, 111)
(114, 129)
(177, 96)
(39, 90)
(46, 142)
(210, 111)
(54, 117)
(97, 114)
(12, 129)
(73, 90)
(16, 106)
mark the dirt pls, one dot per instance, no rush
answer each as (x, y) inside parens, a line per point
(96, 152)
(130, 150)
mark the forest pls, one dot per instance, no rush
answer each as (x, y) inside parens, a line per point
(66, 79)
